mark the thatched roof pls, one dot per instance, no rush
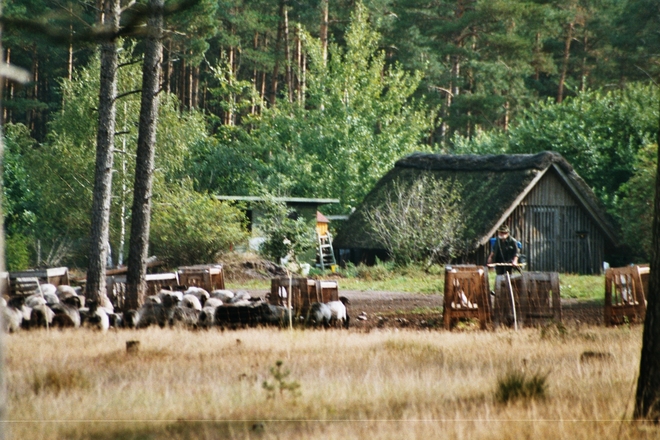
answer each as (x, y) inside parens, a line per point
(491, 186)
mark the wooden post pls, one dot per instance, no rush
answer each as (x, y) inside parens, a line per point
(513, 302)
(132, 347)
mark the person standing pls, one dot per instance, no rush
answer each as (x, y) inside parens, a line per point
(505, 250)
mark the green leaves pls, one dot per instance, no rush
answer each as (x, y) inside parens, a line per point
(357, 118)
(192, 228)
(419, 221)
(287, 235)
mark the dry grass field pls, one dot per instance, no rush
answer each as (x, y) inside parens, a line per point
(390, 384)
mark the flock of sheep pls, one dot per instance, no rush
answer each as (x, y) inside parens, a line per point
(65, 306)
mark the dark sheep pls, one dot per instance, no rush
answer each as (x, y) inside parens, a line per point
(184, 316)
(67, 312)
(238, 315)
(274, 315)
(129, 319)
(319, 314)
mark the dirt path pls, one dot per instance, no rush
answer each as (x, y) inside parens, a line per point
(401, 309)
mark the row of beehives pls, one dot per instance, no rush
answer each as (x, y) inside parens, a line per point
(207, 276)
(44, 297)
(531, 298)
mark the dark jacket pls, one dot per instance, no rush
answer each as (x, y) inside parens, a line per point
(505, 250)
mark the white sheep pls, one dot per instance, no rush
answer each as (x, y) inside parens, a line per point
(223, 295)
(240, 297)
(35, 300)
(319, 314)
(201, 294)
(213, 302)
(154, 299)
(67, 312)
(172, 296)
(65, 291)
(12, 314)
(207, 315)
(97, 317)
(51, 298)
(191, 301)
(339, 311)
(48, 288)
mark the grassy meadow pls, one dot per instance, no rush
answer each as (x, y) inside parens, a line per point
(80, 384)
(415, 279)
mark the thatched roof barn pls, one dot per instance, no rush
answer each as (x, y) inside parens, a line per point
(545, 203)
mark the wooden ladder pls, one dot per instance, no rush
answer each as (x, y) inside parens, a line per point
(325, 254)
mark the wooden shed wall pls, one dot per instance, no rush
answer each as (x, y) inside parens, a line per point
(556, 232)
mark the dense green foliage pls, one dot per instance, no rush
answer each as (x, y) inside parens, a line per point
(189, 228)
(61, 170)
(636, 207)
(286, 234)
(251, 104)
(356, 121)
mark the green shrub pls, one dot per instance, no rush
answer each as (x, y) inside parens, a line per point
(378, 272)
(286, 233)
(17, 251)
(193, 228)
(515, 385)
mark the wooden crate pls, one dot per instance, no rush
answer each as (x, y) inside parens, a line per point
(625, 298)
(540, 297)
(27, 281)
(304, 292)
(207, 276)
(503, 309)
(116, 286)
(536, 296)
(466, 296)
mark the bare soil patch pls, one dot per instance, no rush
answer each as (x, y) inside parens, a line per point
(385, 309)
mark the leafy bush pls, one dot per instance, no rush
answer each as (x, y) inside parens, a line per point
(636, 207)
(419, 221)
(286, 233)
(17, 251)
(378, 272)
(192, 228)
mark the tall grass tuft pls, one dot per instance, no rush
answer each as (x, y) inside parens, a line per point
(515, 385)
(56, 381)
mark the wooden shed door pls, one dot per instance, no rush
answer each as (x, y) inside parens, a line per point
(543, 253)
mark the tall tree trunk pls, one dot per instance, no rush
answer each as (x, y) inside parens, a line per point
(3, 376)
(287, 52)
(324, 30)
(583, 77)
(70, 59)
(647, 399)
(564, 67)
(298, 56)
(144, 166)
(276, 68)
(167, 67)
(190, 83)
(105, 140)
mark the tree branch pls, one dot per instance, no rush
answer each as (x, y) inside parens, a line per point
(122, 95)
(133, 25)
